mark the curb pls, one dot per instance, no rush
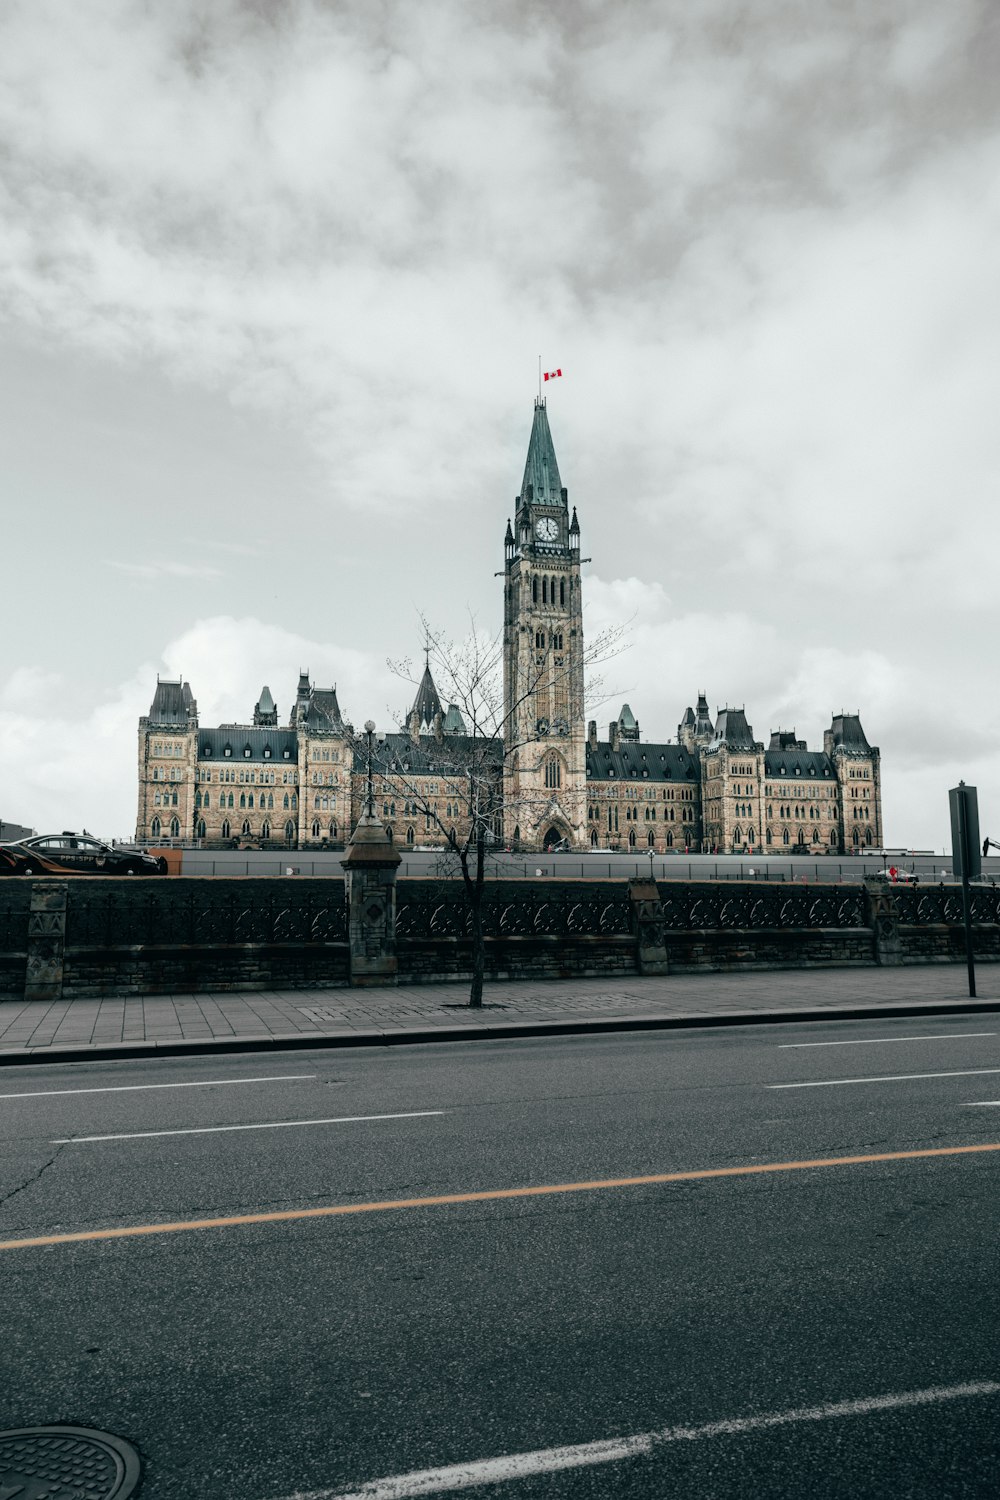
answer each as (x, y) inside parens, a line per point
(495, 1031)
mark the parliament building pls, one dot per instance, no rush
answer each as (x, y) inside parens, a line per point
(302, 784)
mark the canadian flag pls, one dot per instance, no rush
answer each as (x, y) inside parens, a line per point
(551, 374)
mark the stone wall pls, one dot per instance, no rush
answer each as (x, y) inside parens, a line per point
(116, 936)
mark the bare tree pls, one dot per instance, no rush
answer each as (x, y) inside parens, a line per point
(460, 783)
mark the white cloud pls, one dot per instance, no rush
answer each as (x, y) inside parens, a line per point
(147, 571)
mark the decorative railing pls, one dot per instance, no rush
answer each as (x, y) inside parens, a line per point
(920, 905)
(205, 912)
(432, 910)
(761, 908)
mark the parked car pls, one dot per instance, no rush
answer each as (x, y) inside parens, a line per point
(75, 854)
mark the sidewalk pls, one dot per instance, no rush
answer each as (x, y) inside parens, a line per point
(143, 1025)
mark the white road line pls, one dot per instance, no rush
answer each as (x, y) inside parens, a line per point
(879, 1041)
(134, 1088)
(828, 1083)
(613, 1450)
(982, 1104)
(141, 1135)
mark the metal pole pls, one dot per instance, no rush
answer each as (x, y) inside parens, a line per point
(966, 899)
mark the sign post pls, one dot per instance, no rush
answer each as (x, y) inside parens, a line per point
(966, 858)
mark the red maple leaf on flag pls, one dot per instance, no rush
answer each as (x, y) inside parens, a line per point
(551, 374)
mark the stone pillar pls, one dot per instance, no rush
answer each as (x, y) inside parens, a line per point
(883, 919)
(370, 868)
(46, 941)
(647, 924)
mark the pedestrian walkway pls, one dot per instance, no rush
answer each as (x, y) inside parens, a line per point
(140, 1024)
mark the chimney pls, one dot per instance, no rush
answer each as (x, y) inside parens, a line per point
(592, 734)
(414, 727)
(438, 727)
(613, 735)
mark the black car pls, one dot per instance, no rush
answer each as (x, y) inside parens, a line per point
(75, 854)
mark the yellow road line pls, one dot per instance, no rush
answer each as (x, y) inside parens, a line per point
(491, 1195)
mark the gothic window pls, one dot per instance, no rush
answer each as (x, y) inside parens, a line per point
(226, 831)
(295, 800)
(409, 837)
(207, 800)
(154, 828)
(534, 591)
(315, 830)
(768, 835)
(540, 639)
(333, 830)
(173, 800)
(200, 831)
(670, 839)
(243, 799)
(593, 838)
(651, 839)
(265, 831)
(246, 828)
(289, 832)
(553, 772)
(197, 799)
(784, 835)
(545, 591)
(562, 592)
(175, 828)
(631, 838)
(270, 799)
(250, 800)
(815, 835)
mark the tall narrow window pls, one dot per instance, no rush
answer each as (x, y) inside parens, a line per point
(534, 591)
(545, 591)
(154, 828)
(562, 592)
(226, 830)
(553, 772)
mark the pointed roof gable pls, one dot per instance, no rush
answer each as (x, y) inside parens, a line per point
(427, 703)
(731, 728)
(541, 471)
(173, 703)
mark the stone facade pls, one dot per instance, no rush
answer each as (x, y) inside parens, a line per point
(714, 789)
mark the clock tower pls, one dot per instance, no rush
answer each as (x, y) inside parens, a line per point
(545, 769)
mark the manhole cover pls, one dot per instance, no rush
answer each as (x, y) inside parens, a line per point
(66, 1463)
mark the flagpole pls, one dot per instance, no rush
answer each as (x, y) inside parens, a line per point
(539, 380)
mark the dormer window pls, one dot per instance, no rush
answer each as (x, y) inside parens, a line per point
(228, 750)
(247, 752)
(206, 750)
(287, 754)
(267, 752)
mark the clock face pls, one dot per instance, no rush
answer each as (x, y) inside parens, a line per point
(546, 529)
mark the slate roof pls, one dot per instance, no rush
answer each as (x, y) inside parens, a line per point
(785, 739)
(847, 731)
(266, 704)
(212, 744)
(641, 762)
(787, 763)
(321, 715)
(626, 718)
(541, 470)
(453, 721)
(427, 703)
(400, 755)
(731, 728)
(172, 703)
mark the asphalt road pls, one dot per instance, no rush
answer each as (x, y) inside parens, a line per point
(315, 1354)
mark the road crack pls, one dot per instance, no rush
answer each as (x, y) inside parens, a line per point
(29, 1182)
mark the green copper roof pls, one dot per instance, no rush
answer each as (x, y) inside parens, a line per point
(541, 470)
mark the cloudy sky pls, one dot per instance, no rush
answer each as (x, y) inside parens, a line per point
(274, 279)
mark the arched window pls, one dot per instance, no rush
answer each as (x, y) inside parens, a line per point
(200, 831)
(175, 828)
(670, 839)
(768, 835)
(651, 838)
(631, 838)
(247, 830)
(231, 796)
(333, 829)
(284, 802)
(206, 800)
(815, 835)
(553, 772)
(243, 799)
(270, 800)
(197, 799)
(453, 836)
(154, 829)
(315, 830)
(250, 800)
(562, 592)
(226, 830)
(388, 833)
(289, 832)
(409, 837)
(545, 591)
(593, 838)
(265, 829)
(784, 835)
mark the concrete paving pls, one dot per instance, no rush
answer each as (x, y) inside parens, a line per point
(162, 1024)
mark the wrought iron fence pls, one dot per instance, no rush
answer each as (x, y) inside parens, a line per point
(921, 905)
(761, 907)
(114, 915)
(434, 911)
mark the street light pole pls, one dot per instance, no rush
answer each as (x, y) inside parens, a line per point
(370, 795)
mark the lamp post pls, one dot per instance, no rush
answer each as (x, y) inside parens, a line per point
(370, 793)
